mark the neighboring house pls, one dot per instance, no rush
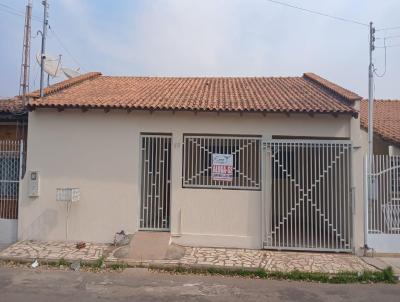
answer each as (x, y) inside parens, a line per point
(263, 162)
(13, 124)
(13, 119)
(386, 125)
(384, 200)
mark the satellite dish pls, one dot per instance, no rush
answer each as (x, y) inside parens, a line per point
(70, 73)
(52, 66)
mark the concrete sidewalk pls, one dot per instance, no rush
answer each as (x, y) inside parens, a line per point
(382, 262)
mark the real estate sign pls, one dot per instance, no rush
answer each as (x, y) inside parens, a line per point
(222, 167)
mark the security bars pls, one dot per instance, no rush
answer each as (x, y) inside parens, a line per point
(10, 169)
(384, 202)
(155, 152)
(310, 203)
(224, 162)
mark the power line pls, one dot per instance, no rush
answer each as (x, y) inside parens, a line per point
(15, 13)
(6, 10)
(389, 46)
(63, 46)
(392, 37)
(389, 28)
(9, 7)
(318, 13)
(18, 11)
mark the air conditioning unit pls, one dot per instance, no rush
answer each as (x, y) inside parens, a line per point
(68, 194)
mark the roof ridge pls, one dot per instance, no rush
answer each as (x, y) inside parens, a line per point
(382, 100)
(65, 84)
(339, 90)
(200, 77)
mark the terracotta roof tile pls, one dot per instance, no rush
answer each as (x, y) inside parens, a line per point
(267, 94)
(12, 105)
(386, 119)
(340, 91)
(65, 84)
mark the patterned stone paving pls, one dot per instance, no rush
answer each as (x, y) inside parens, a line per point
(238, 258)
(274, 260)
(53, 251)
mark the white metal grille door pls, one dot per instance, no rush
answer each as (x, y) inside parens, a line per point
(384, 204)
(310, 204)
(10, 170)
(156, 182)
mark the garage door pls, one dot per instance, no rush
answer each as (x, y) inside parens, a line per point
(309, 197)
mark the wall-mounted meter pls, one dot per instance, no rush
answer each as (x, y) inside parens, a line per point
(33, 183)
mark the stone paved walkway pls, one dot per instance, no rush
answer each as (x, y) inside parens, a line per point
(53, 251)
(238, 258)
(274, 260)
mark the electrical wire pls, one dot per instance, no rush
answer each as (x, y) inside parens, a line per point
(389, 46)
(318, 13)
(11, 12)
(375, 69)
(392, 37)
(17, 12)
(64, 47)
(388, 28)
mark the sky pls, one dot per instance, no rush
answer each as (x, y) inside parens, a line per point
(208, 38)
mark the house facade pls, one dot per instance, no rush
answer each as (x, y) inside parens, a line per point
(383, 219)
(13, 125)
(221, 162)
(386, 126)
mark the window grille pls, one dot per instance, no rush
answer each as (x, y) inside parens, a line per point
(224, 162)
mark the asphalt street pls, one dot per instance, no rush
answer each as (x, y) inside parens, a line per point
(28, 285)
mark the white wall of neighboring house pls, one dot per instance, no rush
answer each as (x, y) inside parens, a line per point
(99, 153)
(394, 150)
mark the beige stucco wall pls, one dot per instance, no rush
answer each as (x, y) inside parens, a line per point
(394, 150)
(99, 153)
(381, 147)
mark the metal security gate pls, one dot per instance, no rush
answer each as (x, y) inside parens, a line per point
(11, 154)
(155, 182)
(384, 204)
(310, 198)
(10, 170)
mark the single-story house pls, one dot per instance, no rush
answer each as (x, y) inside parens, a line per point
(384, 201)
(246, 162)
(13, 124)
(386, 125)
(13, 119)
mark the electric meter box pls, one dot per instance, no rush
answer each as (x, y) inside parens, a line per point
(33, 184)
(68, 194)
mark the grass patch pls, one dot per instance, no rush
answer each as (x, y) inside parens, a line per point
(386, 276)
(118, 266)
(99, 263)
(62, 262)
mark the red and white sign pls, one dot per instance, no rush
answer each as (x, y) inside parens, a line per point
(222, 167)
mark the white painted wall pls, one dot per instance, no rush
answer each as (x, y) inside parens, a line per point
(8, 231)
(394, 150)
(99, 153)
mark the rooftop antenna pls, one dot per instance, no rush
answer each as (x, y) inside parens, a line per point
(26, 50)
(44, 34)
(51, 66)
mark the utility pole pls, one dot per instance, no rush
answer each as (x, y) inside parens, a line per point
(370, 131)
(43, 56)
(26, 53)
(371, 92)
